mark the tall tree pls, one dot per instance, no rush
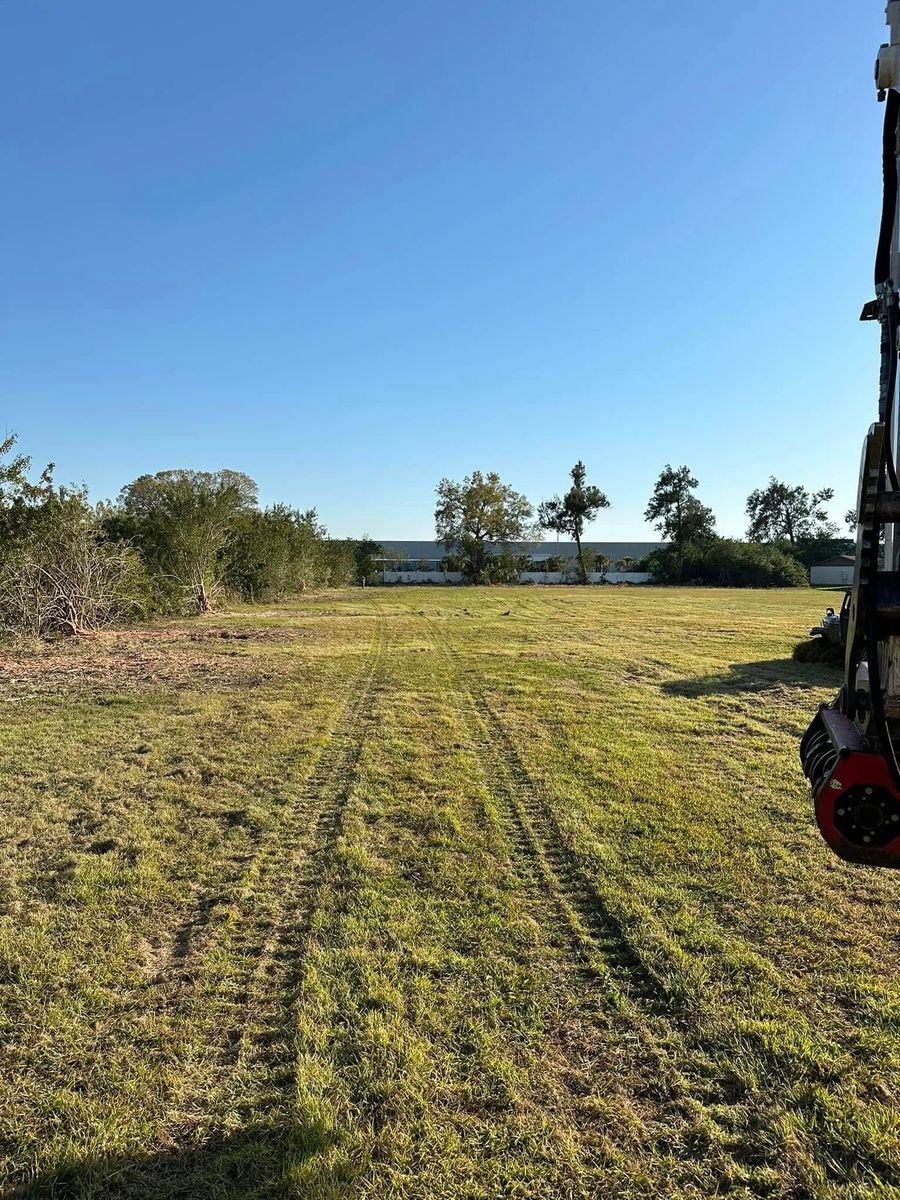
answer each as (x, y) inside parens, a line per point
(677, 513)
(183, 522)
(782, 513)
(480, 513)
(568, 514)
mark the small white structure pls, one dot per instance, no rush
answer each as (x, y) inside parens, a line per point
(832, 572)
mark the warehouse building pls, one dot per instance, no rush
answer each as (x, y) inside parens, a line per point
(422, 562)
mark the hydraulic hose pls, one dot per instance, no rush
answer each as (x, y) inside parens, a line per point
(889, 349)
(884, 285)
(889, 201)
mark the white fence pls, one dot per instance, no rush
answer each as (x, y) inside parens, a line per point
(526, 577)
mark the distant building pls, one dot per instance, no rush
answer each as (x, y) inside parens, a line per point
(409, 555)
(836, 571)
(422, 562)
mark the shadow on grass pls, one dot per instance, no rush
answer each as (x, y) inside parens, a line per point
(251, 1163)
(756, 677)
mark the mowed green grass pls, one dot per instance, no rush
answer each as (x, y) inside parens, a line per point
(438, 893)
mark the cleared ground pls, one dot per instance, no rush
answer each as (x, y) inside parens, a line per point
(425, 893)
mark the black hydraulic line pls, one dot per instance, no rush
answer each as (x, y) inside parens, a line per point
(887, 296)
(889, 203)
(889, 331)
(889, 386)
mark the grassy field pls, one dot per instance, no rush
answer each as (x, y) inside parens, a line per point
(438, 894)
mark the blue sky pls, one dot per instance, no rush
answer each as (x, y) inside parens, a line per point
(351, 247)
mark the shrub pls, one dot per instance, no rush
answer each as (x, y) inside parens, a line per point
(67, 577)
(505, 567)
(275, 554)
(367, 559)
(338, 563)
(727, 563)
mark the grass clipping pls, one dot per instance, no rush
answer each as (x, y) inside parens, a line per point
(818, 650)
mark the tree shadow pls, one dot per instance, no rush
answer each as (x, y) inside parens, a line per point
(762, 676)
(251, 1164)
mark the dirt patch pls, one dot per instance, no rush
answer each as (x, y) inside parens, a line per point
(119, 668)
(191, 633)
(266, 634)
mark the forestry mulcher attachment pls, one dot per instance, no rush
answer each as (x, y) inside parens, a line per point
(850, 751)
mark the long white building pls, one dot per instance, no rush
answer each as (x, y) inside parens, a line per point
(408, 561)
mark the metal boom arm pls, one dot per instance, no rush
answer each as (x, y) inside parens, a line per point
(850, 751)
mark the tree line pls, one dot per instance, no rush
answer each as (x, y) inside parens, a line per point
(172, 543)
(177, 541)
(482, 522)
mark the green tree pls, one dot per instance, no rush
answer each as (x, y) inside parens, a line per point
(568, 514)
(722, 562)
(626, 564)
(275, 553)
(21, 500)
(368, 556)
(780, 512)
(677, 513)
(477, 515)
(184, 521)
(338, 555)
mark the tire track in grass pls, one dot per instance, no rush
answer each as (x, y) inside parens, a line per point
(539, 848)
(178, 953)
(247, 983)
(586, 934)
(735, 1119)
(274, 983)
